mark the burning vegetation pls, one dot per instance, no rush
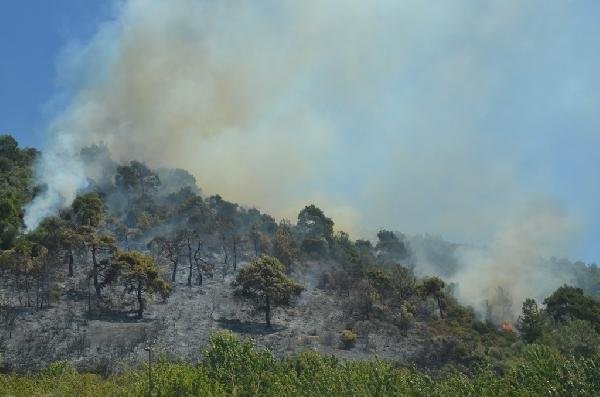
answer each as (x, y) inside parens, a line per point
(143, 257)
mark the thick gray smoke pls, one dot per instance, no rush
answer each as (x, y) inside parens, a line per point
(374, 110)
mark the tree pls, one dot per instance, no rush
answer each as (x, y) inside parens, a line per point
(434, 287)
(227, 223)
(381, 281)
(140, 275)
(569, 303)
(202, 265)
(54, 234)
(137, 178)
(10, 221)
(575, 338)
(236, 242)
(171, 248)
(265, 282)
(196, 214)
(24, 262)
(98, 245)
(392, 245)
(255, 237)
(88, 209)
(8, 146)
(284, 245)
(260, 242)
(194, 256)
(315, 230)
(188, 237)
(499, 306)
(404, 281)
(312, 222)
(15, 187)
(530, 323)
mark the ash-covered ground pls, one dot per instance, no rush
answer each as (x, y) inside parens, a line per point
(110, 338)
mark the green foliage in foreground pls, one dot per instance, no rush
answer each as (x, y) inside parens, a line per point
(233, 367)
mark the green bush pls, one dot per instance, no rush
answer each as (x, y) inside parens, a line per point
(575, 338)
(234, 367)
(348, 339)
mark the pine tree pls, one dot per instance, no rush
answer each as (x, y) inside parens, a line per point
(265, 283)
(530, 323)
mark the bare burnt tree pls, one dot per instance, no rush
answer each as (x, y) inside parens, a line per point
(101, 248)
(255, 238)
(190, 255)
(23, 265)
(171, 249)
(8, 315)
(202, 265)
(42, 292)
(236, 243)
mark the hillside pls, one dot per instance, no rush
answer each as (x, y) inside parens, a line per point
(75, 289)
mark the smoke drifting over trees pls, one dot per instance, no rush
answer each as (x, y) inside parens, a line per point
(361, 107)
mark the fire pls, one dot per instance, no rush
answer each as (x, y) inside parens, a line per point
(506, 326)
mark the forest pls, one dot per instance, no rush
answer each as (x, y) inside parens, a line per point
(147, 285)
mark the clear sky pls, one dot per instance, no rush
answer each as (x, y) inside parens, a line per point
(32, 35)
(541, 103)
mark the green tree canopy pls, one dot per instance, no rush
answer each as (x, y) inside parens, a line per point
(137, 178)
(312, 223)
(389, 242)
(530, 323)
(88, 209)
(575, 338)
(434, 287)
(569, 303)
(265, 282)
(284, 245)
(140, 275)
(15, 187)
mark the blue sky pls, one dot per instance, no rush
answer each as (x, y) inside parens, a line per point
(538, 109)
(32, 35)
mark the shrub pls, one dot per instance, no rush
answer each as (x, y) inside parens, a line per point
(576, 338)
(234, 367)
(348, 339)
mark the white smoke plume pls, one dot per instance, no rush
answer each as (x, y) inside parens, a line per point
(271, 103)
(517, 261)
(376, 110)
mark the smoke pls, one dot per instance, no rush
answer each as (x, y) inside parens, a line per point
(387, 114)
(60, 186)
(265, 103)
(516, 261)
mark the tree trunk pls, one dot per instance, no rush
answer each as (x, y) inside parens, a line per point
(174, 272)
(198, 260)
(37, 294)
(439, 302)
(268, 312)
(89, 296)
(226, 257)
(27, 290)
(95, 272)
(191, 262)
(70, 263)
(140, 300)
(235, 253)
(199, 274)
